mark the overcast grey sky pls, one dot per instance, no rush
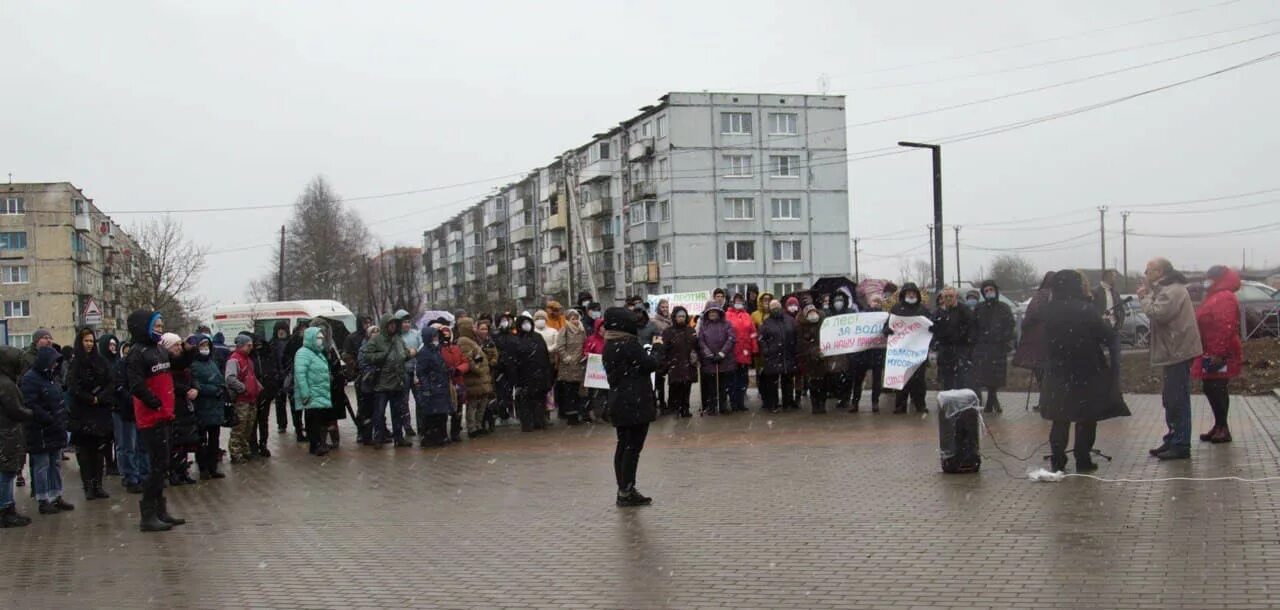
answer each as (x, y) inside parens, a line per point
(167, 105)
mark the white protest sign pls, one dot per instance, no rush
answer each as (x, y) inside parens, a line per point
(908, 349)
(851, 333)
(693, 302)
(595, 373)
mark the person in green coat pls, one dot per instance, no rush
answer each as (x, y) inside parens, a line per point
(311, 388)
(388, 356)
(210, 401)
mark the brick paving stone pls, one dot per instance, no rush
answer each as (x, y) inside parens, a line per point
(752, 511)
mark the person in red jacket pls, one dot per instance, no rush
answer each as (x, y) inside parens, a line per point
(744, 351)
(594, 344)
(1218, 320)
(151, 384)
(458, 366)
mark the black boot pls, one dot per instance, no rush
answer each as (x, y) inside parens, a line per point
(9, 517)
(162, 513)
(1085, 464)
(1058, 463)
(47, 508)
(150, 519)
(63, 504)
(631, 497)
(98, 491)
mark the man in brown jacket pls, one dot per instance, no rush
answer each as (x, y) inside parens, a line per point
(1175, 343)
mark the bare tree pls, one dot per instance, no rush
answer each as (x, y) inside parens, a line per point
(399, 279)
(167, 272)
(1013, 272)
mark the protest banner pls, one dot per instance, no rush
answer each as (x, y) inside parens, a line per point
(908, 349)
(851, 333)
(693, 302)
(595, 373)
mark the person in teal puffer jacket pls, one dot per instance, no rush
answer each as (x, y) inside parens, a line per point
(311, 388)
(211, 403)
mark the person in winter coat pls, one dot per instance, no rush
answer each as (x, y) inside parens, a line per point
(291, 347)
(1175, 343)
(13, 438)
(571, 367)
(46, 432)
(151, 385)
(1034, 347)
(434, 394)
(220, 351)
(1106, 299)
(762, 311)
(1218, 320)
(211, 396)
(277, 347)
(351, 362)
(478, 379)
(92, 400)
(631, 407)
(777, 341)
(952, 339)
(387, 353)
(271, 376)
(555, 315)
(312, 388)
(660, 321)
(503, 380)
(185, 436)
(716, 343)
(594, 344)
(531, 364)
(744, 351)
(242, 383)
(680, 360)
(809, 357)
(131, 456)
(583, 305)
(910, 303)
(543, 328)
(993, 335)
(1080, 385)
(458, 366)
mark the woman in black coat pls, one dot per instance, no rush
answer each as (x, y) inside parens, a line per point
(952, 340)
(529, 364)
(777, 339)
(631, 405)
(910, 304)
(13, 441)
(47, 429)
(1081, 385)
(92, 392)
(993, 337)
(680, 360)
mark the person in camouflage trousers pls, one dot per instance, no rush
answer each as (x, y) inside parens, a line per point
(242, 382)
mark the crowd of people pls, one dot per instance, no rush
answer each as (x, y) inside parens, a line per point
(140, 408)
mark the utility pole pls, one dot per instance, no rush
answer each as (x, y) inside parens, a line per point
(933, 255)
(855, 261)
(957, 228)
(937, 206)
(1102, 233)
(280, 271)
(1124, 246)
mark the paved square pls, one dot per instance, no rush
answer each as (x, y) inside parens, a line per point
(751, 511)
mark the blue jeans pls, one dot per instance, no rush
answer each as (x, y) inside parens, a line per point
(6, 488)
(131, 456)
(46, 475)
(399, 412)
(1176, 396)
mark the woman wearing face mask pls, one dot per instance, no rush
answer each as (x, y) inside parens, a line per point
(910, 304)
(809, 356)
(503, 385)
(778, 351)
(458, 366)
(433, 394)
(744, 351)
(680, 360)
(312, 390)
(531, 364)
(971, 299)
(952, 338)
(716, 343)
(841, 386)
(89, 385)
(992, 339)
(186, 427)
(211, 397)
(791, 309)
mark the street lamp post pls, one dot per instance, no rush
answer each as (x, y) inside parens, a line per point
(937, 207)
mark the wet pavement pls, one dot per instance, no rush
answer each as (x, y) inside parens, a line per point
(751, 511)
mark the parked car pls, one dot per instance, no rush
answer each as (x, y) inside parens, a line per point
(1261, 304)
(1136, 330)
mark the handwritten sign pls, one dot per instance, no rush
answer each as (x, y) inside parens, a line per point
(908, 348)
(693, 302)
(596, 377)
(851, 333)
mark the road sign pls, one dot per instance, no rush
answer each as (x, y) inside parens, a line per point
(92, 313)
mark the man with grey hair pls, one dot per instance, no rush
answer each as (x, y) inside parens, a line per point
(1175, 343)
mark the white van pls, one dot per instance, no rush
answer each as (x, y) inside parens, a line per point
(230, 320)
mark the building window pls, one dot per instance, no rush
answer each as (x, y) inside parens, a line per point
(740, 251)
(662, 126)
(14, 205)
(782, 123)
(17, 309)
(20, 341)
(739, 166)
(645, 129)
(664, 211)
(742, 289)
(786, 209)
(604, 150)
(78, 205)
(637, 214)
(786, 250)
(666, 289)
(735, 122)
(663, 167)
(785, 166)
(666, 254)
(739, 208)
(14, 275)
(784, 288)
(13, 240)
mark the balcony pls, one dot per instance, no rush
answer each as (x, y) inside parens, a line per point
(474, 251)
(523, 292)
(455, 236)
(84, 223)
(82, 257)
(494, 243)
(640, 149)
(455, 257)
(646, 273)
(524, 233)
(645, 231)
(554, 222)
(493, 270)
(599, 243)
(520, 263)
(554, 254)
(495, 296)
(601, 168)
(108, 241)
(603, 278)
(596, 207)
(644, 189)
(471, 273)
(517, 206)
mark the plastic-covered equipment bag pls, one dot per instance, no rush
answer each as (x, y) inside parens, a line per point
(958, 429)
